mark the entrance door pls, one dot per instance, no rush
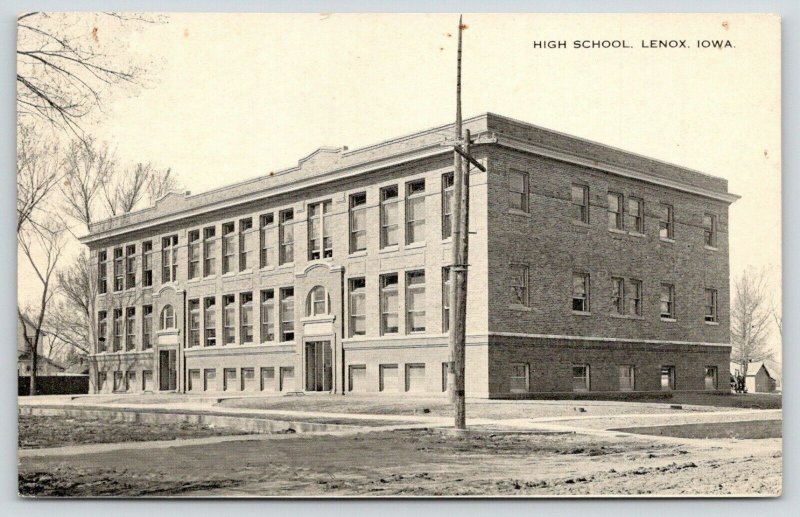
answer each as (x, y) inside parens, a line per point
(318, 366)
(167, 370)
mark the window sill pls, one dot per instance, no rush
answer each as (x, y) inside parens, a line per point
(390, 249)
(626, 316)
(229, 274)
(245, 272)
(710, 248)
(521, 308)
(267, 268)
(637, 234)
(667, 239)
(447, 240)
(580, 224)
(618, 231)
(415, 245)
(581, 313)
(286, 265)
(521, 213)
(668, 320)
(357, 254)
(193, 281)
(712, 323)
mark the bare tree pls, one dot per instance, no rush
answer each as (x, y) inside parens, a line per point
(88, 167)
(750, 317)
(38, 174)
(161, 183)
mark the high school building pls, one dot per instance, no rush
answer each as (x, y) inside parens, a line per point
(591, 269)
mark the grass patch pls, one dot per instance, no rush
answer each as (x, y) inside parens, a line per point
(747, 430)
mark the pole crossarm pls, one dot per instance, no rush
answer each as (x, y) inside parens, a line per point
(456, 145)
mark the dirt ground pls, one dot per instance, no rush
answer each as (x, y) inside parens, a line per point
(421, 462)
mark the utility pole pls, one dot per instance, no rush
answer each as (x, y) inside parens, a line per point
(460, 255)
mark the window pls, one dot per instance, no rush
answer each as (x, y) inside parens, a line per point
(635, 297)
(117, 330)
(267, 315)
(317, 302)
(210, 321)
(169, 259)
(358, 308)
(194, 254)
(130, 266)
(358, 222)
(268, 379)
(518, 190)
(265, 246)
(320, 243)
(389, 304)
(246, 247)
(445, 371)
(130, 328)
(667, 378)
(118, 269)
(415, 378)
(626, 378)
(667, 302)
(248, 379)
(580, 203)
(102, 271)
(147, 327)
(194, 322)
(228, 319)
(228, 379)
(102, 378)
(286, 236)
(210, 379)
(580, 292)
(147, 380)
(415, 301)
(118, 381)
(286, 378)
(194, 380)
(287, 313)
(147, 263)
(635, 215)
(666, 229)
(446, 299)
(711, 306)
(388, 378)
(519, 379)
(615, 211)
(711, 378)
(209, 251)
(246, 317)
(448, 191)
(389, 216)
(618, 295)
(102, 328)
(580, 378)
(130, 380)
(519, 284)
(357, 377)
(167, 317)
(415, 211)
(228, 252)
(710, 230)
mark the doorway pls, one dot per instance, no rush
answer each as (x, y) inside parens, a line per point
(318, 366)
(167, 370)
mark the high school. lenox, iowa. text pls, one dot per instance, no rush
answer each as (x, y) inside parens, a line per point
(621, 43)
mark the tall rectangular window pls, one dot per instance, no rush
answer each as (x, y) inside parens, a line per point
(228, 247)
(286, 236)
(389, 304)
(267, 315)
(448, 190)
(415, 211)
(209, 251)
(635, 297)
(102, 271)
(626, 378)
(194, 322)
(667, 378)
(519, 284)
(130, 328)
(446, 279)
(580, 292)
(358, 222)
(169, 259)
(390, 230)
(210, 321)
(194, 254)
(287, 313)
(320, 243)
(130, 266)
(118, 269)
(615, 220)
(580, 203)
(358, 307)
(118, 324)
(618, 295)
(415, 301)
(666, 224)
(711, 306)
(711, 378)
(580, 377)
(635, 215)
(246, 244)
(246, 317)
(266, 247)
(228, 319)
(519, 380)
(147, 327)
(518, 190)
(102, 331)
(667, 301)
(147, 263)
(710, 230)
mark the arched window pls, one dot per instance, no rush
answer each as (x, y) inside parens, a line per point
(318, 303)
(167, 317)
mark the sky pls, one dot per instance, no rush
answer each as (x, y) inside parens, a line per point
(231, 97)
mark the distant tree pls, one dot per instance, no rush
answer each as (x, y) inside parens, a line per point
(38, 174)
(750, 319)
